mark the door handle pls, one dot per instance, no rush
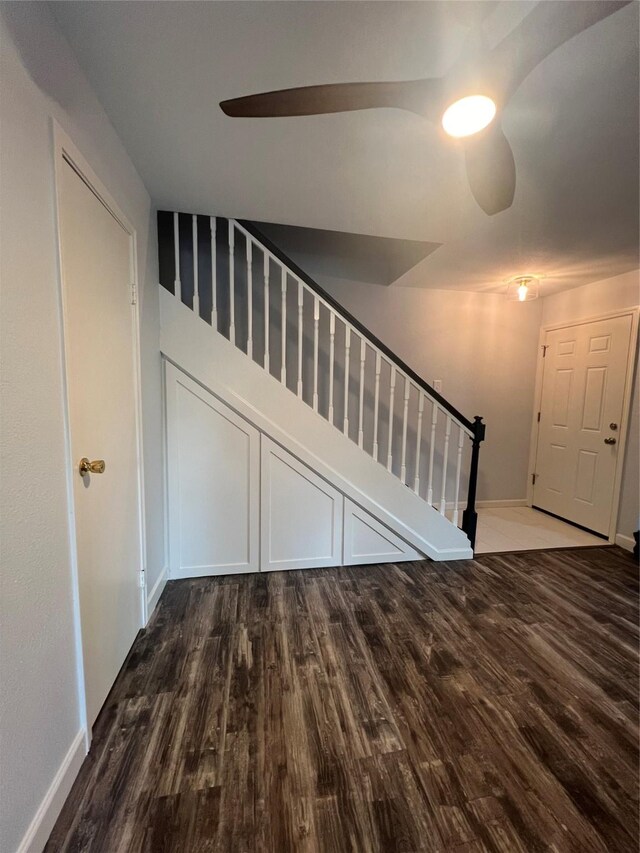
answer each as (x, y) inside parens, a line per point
(88, 467)
(610, 440)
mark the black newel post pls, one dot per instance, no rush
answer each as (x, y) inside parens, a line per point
(470, 516)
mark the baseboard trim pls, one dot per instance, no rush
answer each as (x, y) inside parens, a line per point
(487, 504)
(44, 819)
(156, 591)
(498, 504)
(626, 542)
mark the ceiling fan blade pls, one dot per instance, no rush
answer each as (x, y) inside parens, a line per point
(491, 169)
(548, 26)
(419, 96)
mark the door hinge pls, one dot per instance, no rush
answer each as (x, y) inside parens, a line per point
(545, 347)
(134, 293)
(538, 417)
(141, 579)
(533, 479)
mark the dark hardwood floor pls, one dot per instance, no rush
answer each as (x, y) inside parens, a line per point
(481, 705)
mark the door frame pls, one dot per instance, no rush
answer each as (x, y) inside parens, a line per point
(64, 149)
(633, 312)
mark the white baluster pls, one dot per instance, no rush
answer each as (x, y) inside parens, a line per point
(392, 394)
(432, 444)
(376, 403)
(363, 355)
(177, 284)
(232, 283)
(347, 348)
(214, 275)
(300, 319)
(249, 245)
(196, 285)
(405, 418)
(458, 466)
(316, 330)
(332, 343)
(445, 459)
(416, 482)
(283, 320)
(266, 310)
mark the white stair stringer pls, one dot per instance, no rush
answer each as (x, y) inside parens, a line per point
(219, 366)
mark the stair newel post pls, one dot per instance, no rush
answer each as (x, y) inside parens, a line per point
(232, 283)
(177, 284)
(266, 309)
(196, 284)
(249, 248)
(214, 275)
(470, 516)
(332, 346)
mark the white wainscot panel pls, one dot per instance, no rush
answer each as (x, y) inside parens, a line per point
(366, 540)
(301, 514)
(214, 476)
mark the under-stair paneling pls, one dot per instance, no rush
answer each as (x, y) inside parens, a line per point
(301, 514)
(214, 476)
(366, 540)
(275, 411)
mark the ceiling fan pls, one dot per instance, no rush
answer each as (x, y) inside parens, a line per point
(468, 100)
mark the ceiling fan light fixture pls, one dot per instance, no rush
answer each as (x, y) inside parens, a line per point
(468, 115)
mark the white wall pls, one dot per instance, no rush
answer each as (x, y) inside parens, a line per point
(481, 346)
(600, 297)
(38, 701)
(485, 349)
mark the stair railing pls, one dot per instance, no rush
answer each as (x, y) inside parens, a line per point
(448, 432)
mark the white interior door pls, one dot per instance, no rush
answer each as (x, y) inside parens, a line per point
(214, 483)
(583, 389)
(96, 256)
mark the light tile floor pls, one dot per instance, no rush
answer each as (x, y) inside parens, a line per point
(520, 528)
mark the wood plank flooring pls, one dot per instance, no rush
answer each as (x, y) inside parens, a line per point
(486, 705)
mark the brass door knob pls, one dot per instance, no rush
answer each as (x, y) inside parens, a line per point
(610, 440)
(88, 467)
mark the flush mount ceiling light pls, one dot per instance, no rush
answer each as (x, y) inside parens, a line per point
(523, 288)
(468, 115)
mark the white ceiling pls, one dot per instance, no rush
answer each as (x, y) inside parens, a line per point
(160, 70)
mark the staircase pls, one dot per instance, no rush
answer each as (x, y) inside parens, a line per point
(342, 427)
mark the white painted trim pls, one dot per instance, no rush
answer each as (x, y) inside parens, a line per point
(626, 542)
(242, 384)
(65, 149)
(45, 817)
(634, 312)
(499, 504)
(156, 592)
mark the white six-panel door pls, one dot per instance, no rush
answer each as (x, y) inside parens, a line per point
(581, 411)
(240, 502)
